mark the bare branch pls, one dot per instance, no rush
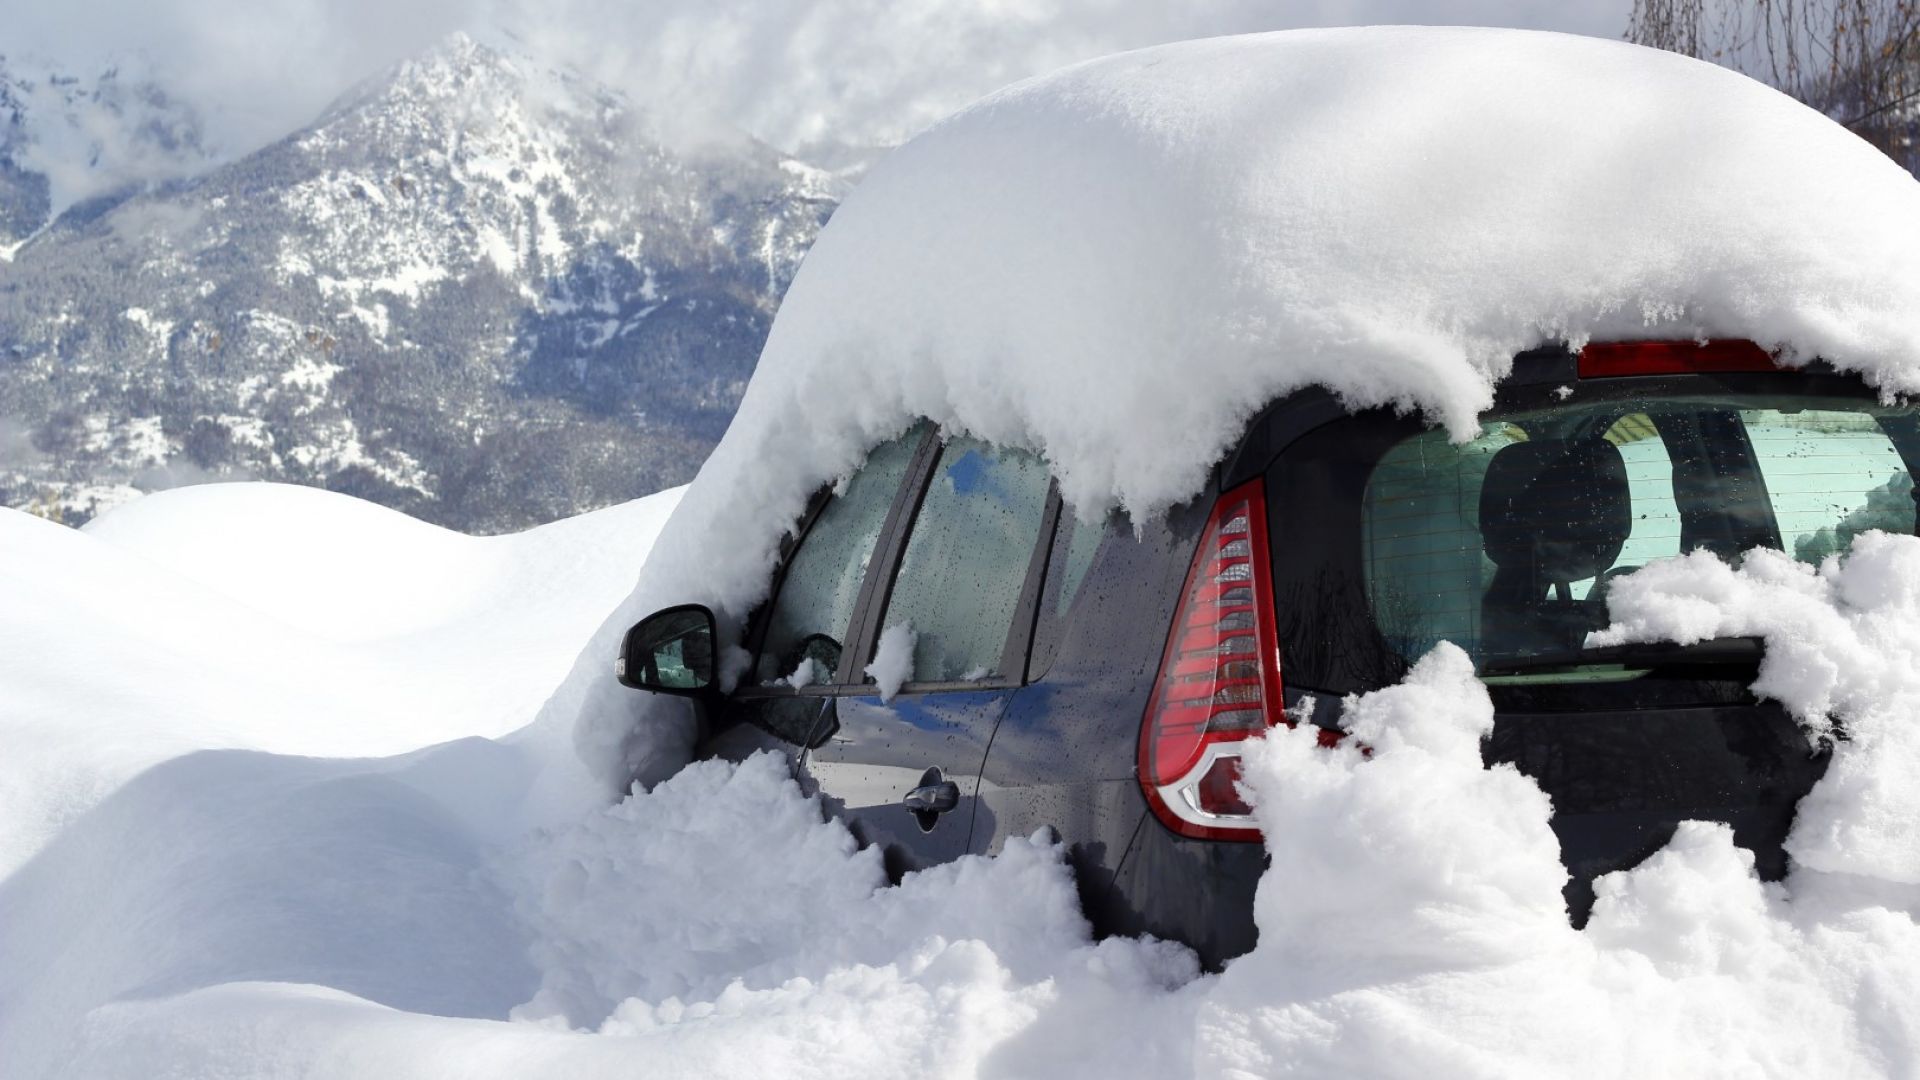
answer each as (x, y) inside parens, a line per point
(1858, 61)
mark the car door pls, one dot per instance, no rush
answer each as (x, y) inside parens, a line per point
(958, 581)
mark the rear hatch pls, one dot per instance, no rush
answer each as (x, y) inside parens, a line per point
(1629, 746)
(1390, 538)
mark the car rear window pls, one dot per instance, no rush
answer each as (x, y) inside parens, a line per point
(1504, 544)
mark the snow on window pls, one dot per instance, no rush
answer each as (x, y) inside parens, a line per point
(810, 672)
(893, 660)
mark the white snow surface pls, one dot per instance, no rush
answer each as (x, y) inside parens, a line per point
(235, 847)
(1117, 264)
(248, 725)
(893, 659)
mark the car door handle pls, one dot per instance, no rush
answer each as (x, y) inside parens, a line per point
(933, 798)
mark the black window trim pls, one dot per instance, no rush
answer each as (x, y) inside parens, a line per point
(1018, 647)
(1046, 600)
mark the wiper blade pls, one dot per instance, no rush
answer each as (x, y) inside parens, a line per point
(1727, 651)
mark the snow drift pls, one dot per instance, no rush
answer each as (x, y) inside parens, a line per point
(226, 904)
(1420, 936)
(1117, 264)
(285, 917)
(256, 731)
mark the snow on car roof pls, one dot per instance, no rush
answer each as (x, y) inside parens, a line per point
(1118, 263)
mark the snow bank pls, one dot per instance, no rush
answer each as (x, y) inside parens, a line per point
(281, 619)
(290, 550)
(233, 752)
(1412, 925)
(1118, 263)
(271, 912)
(716, 925)
(352, 570)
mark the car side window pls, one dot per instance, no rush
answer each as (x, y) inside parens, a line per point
(807, 625)
(958, 587)
(1082, 540)
(1076, 544)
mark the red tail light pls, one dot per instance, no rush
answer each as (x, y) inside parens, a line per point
(1672, 358)
(1219, 681)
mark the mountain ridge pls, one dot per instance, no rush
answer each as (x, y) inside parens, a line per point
(475, 289)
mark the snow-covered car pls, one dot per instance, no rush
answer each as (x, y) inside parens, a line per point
(953, 659)
(1220, 405)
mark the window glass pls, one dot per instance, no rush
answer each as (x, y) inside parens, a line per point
(807, 625)
(1426, 566)
(1083, 540)
(1655, 533)
(1503, 544)
(1425, 569)
(1831, 475)
(1065, 596)
(960, 578)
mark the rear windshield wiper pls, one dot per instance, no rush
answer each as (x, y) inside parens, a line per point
(1726, 651)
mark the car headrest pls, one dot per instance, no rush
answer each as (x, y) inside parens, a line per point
(1557, 508)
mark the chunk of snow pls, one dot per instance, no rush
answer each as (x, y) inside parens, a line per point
(1418, 933)
(807, 673)
(892, 663)
(1117, 263)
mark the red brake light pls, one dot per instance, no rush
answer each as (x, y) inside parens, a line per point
(1672, 358)
(1219, 680)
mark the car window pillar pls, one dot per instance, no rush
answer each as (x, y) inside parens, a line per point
(885, 560)
(1016, 652)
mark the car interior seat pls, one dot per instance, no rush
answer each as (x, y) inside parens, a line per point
(1552, 512)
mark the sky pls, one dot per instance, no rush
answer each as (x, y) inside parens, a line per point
(800, 74)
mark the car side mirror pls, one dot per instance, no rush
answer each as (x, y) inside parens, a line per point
(669, 651)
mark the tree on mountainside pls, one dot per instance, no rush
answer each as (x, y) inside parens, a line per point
(1857, 61)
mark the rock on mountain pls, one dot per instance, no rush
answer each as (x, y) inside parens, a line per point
(477, 290)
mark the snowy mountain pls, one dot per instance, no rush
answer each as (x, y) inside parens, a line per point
(476, 289)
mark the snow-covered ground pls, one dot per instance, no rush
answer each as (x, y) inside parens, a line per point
(245, 835)
(261, 731)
